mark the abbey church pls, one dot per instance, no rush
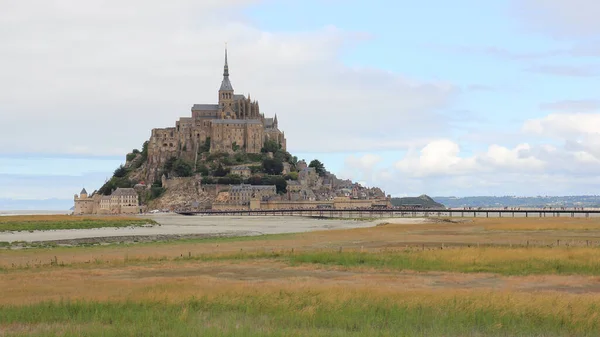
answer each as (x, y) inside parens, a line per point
(234, 123)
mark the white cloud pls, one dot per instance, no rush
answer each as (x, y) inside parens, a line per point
(440, 157)
(565, 125)
(96, 76)
(562, 18)
(564, 162)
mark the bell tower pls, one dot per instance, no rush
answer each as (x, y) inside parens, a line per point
(226, 94)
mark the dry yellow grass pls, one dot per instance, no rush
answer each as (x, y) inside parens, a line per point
(540, 224)
(392, 236)
(312, 292)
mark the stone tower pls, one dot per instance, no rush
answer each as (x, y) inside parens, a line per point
(226, 95)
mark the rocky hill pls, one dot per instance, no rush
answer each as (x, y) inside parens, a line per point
(423, 201)
(196, 184)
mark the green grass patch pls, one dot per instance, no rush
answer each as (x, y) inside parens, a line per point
(64, 222)
(300, 313)
(478, 262)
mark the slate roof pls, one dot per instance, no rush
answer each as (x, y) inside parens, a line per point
(124, 192)
(236, 121)
(251, 187)
(237, 168)
(225, 84)
(205, 107)
(83, 191)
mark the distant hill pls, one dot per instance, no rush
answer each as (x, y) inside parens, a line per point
(420, 201)
(513, 201)
(35, 204)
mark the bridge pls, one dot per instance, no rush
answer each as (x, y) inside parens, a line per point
(395, 213)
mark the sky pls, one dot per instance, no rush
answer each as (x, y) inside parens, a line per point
(445, 98)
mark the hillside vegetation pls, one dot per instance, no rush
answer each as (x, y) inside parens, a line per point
(266, 168)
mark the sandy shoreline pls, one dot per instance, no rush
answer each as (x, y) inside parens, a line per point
(179, 225)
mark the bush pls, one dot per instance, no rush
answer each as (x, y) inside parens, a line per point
(130, 156)
(220, 171)
(202, 169)
(144, 151)
(228, 161)
(270, 146)
(240, 157)
(120, 172)
(181, 168)
(254, 180)
(255, 169)
(114, 183)
(205, 147)
(168, 166)
(156, 192)
(278, 181)
(291, 176)
(234, 179)
(272, 166)
(255, 157)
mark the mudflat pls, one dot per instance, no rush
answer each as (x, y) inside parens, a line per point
(180, 225)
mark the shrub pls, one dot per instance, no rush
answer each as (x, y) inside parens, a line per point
(220, 171)
(272, 166)
(181, 168)
(270, 146)
(120, 172)
(130, 156)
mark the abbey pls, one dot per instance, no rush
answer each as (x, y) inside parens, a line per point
(235, 123)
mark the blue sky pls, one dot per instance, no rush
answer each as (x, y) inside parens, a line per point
(444, 98)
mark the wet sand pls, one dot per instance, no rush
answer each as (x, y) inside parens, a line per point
(174, 224)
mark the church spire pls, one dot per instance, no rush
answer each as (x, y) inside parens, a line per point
(225, 84)
(226, 68)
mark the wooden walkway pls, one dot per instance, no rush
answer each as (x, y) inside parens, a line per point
(395, 213)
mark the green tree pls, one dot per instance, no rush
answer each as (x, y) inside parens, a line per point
(220, 171)
(202, 169)
(272, 166)
(120, 172)
(145, 151)
(205, 147)
(318, 166)
(181, 168)
(168, 166)
(254, 180)
(234, 179)
(278, 181)
(235, 147)
(270, 146)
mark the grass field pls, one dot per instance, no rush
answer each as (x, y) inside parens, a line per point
(392, 280)
(48, 222)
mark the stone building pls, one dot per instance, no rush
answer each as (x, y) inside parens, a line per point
(121, 201)
(84, 204)
(242, 171)
(243, 193)
(234, 123)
